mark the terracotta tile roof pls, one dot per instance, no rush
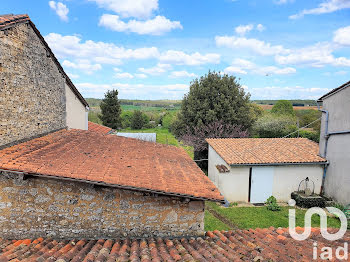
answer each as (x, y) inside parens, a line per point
(111, 160)
(236, 245)
(99, 128)
(11, 19)
(243, 151)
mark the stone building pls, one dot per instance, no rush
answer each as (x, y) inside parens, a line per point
(36, 95)
(70, 183)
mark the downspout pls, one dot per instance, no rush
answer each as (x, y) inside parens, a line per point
(325, 146)
(326, 136)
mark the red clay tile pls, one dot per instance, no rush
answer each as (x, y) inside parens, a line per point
(99, 128)
(242, 151)
(131, 163)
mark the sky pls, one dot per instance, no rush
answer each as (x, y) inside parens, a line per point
(153, 49)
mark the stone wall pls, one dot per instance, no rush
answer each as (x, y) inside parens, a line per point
(44, 207)
(32, 92)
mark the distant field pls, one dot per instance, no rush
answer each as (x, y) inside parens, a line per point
(269, 107)
(146, 108)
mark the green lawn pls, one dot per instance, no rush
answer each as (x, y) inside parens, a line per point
(212, 223)
(260, 217)
(163, 137)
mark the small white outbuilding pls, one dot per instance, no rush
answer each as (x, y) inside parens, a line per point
(253, 169)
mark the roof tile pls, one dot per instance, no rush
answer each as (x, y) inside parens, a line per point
(245, 151)
(99, 128)
(117, 161)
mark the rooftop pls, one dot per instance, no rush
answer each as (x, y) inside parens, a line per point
(236, 245)
(99, 128)
(260, 151)
(334, 91)
(113, 161)
(11, 19)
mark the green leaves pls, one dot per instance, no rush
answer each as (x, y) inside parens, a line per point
(110, 110)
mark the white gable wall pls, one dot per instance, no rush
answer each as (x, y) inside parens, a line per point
(234, 185)
(76, 111)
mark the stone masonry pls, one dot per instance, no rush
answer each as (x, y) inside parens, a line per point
(33, 207)
(32, 92)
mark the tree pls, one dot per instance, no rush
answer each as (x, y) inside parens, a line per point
(217, 129)
(110, 110)
(283, 107)
(213, 98)
(138, 120)
(126, 117)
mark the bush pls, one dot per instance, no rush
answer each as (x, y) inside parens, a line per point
(274, 126)
(307, 116)
(167, 120)
(283, 107)
(271, 204)
(126, 117)
(138, 120)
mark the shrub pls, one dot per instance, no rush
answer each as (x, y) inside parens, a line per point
(271, 204)
(138, 120)
(283, 107)
(271, 125)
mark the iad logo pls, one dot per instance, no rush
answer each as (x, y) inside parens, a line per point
(326, 251)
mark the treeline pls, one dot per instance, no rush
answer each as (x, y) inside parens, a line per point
(296, 102)
(95, 102)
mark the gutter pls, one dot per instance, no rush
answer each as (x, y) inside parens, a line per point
(326, 136)
(281, 164)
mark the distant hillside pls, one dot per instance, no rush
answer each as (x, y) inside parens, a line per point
(95, 102)
(297, 102)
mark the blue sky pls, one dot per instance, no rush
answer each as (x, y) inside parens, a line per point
(152, 49)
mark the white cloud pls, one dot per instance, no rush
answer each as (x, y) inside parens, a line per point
(156, 70)
(73, 76)
(273, 70)
(242, 66)
(124, 75)
(169, 91)
(60, 9)
(116, 69)
(129, 8)
(181, 58)
(156, 26)
(141, 76)
(342, 36)
(282, 2)
(234, 70)
(243, 29)
(83, 65)
(255, 45)
(317, 55)
(287, 92)
(328, 6)
(178, 74)
(71, 46)
(260, 27)
(243, 63)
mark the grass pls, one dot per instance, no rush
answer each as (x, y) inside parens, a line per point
(212, 223)
(163, 137)
(260, 217)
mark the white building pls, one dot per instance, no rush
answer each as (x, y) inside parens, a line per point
(335, 142)
(253, 169)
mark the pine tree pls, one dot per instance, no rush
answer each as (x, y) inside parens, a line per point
(110, 110)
